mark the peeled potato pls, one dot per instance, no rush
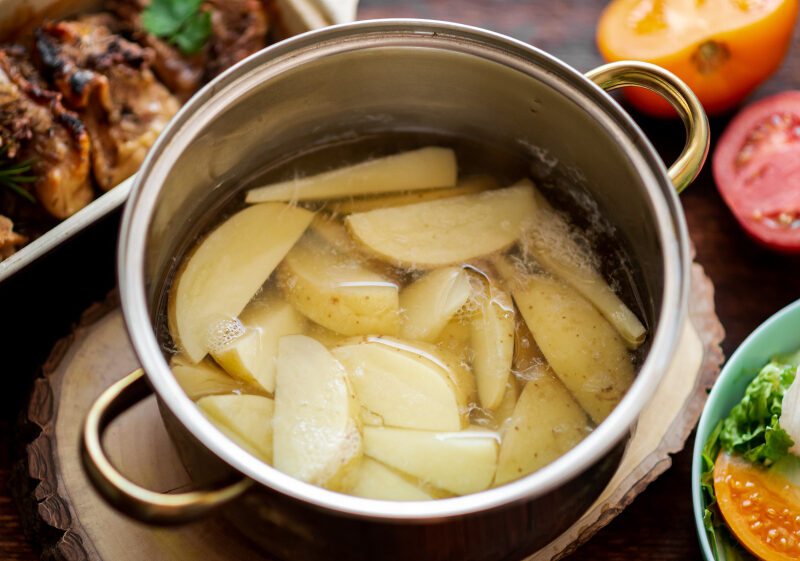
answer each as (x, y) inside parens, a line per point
(338, 291)
(447, 231)
(583, 349)
(492, 338)
(403, 386)
(551, 242)
(246, 419)
(454, 338)
(227, 268)
(429, 303)
(546, 422)
(203, 378)
(425, 168)
(333, 232)
(466, 186)
(376, 481)
(503, 412)
(316, 425)
(251, 358)
(460, 462)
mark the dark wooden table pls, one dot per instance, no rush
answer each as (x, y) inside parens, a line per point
(38, 306)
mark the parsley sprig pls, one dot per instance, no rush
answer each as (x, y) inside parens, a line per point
(181, 22)
(14, 174)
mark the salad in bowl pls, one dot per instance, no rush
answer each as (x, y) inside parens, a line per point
(746, 469)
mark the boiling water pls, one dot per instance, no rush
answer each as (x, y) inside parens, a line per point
(497, 285)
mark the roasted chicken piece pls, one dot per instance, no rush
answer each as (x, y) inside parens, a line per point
(107, 79)
(238, 29)
(9, 239)
(35, 126)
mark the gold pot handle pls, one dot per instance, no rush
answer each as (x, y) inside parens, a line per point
(127, 497)
(663, 82)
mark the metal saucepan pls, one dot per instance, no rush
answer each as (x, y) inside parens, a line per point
(355, 80)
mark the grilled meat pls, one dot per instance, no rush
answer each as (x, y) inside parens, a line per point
(9, 239)
(238, 29)
(107, 79)
(35, 126)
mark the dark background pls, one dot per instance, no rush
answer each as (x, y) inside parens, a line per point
(38, 306)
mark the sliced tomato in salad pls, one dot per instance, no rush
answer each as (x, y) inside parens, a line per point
(761, 507)
(757, 170)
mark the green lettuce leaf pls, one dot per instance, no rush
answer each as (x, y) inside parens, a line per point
(751, 430)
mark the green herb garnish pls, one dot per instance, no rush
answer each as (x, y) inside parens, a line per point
(14, 174)
(180, 22)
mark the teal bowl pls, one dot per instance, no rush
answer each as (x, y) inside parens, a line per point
(779, 334)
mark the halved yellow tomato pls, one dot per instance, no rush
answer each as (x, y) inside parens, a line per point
(722, 49)
(761, 508)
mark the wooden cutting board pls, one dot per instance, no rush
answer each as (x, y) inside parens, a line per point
(72, 523)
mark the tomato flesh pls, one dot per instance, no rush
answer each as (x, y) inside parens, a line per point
(761, 508)
(757, 170)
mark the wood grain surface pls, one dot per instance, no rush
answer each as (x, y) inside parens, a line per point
(38, 306)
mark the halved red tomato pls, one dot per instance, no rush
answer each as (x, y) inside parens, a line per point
(757, 170)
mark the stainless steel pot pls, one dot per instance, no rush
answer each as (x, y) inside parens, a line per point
(355, 80)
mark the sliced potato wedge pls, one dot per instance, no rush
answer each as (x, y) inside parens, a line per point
(547, 421)
(227, 268)
(338, 291)
(466, 186)
(429, 303)
(405, 387)
(316, 425)
(501, 416)
(492, 338)
(454, 338)
(447, 231)
(203, 378)
(549, 238)
(583, 349)
(333, 232)
(425, 168)
(246, 419)
(251, 358)
(460, 462)
(376, 481)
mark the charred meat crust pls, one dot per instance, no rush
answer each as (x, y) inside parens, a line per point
(36, 126)
(238, 29)
(107, 79)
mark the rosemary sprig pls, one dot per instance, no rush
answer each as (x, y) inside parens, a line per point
(14, 174)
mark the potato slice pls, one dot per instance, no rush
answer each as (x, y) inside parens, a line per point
(454, 338)
(251, 358)
(583, 349)
(547, 421)
(376, 481)
(447, 231)
(492, 339)
(460, 462)
(338, 291)
(334, 233)
(466, 186)
(425, 168)
(317, 434)
(551, 241)
(404, 386)
(227, 268)
(502, 414)
(430, 302)
(245, 419)
(203, 378)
